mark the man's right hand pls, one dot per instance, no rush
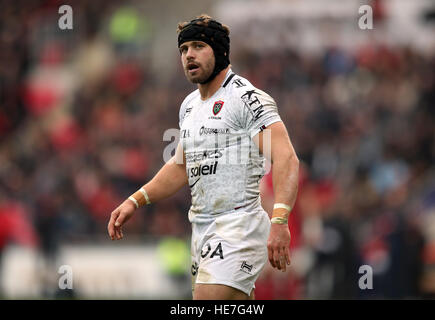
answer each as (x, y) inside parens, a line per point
(118, 217)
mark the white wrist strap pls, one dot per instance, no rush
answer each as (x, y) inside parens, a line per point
(283, 206)
(145, 194)
(134, 201)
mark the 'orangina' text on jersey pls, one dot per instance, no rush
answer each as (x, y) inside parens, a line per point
(223, 165)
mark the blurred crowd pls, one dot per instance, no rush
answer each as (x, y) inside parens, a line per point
(82, 124)
(363, 125)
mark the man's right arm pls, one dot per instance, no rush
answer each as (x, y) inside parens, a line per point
(170, 178)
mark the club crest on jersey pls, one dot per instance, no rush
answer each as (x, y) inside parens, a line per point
(217, 107)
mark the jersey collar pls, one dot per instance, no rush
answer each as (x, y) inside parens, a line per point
(230, 74)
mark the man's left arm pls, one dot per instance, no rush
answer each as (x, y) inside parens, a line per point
(285, 169)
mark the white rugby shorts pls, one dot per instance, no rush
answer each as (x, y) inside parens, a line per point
(231, 250)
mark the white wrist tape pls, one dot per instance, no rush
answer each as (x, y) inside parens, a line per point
(145, 194)
(279, 220)
(283, 206)
(134, 201)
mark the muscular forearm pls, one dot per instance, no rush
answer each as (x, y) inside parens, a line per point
(285, 171)
(167, 181)
(171, 178)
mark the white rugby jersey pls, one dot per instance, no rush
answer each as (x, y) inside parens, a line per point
(224, 166)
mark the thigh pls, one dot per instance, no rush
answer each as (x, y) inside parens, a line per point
(219, 292)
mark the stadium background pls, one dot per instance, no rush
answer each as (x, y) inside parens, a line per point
(82, 117)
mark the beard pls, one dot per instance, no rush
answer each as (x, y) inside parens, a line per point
(202, 74)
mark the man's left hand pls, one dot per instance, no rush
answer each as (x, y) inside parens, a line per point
(278, 246)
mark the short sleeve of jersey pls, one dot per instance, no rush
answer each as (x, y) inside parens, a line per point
(181, 115)
(184, 108)
(259, 110)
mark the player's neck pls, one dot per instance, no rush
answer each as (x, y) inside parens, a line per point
(209, 89)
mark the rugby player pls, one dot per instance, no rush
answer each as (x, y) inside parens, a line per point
(221, 156)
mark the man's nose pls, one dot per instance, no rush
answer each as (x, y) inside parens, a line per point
(190, 53)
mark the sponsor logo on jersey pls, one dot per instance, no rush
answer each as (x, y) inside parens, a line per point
(193, 184)
(202, 155)
(250, 97)
(205, 130)
(203, 170)
(217, 107)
